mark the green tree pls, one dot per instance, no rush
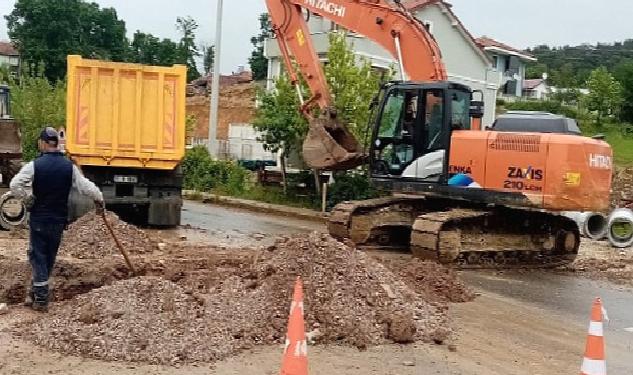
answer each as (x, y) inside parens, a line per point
(208, 53)
(187, 46)
(35, 103)
(257, 61)
(605, 94)
(353, 84)
(279, 120)
(565, 77)
(535, 71)
(48, 31)
(148, 49)
(624, 74)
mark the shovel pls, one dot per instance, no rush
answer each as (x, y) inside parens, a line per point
(118, 243)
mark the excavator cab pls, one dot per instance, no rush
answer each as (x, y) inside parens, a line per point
(412, 129)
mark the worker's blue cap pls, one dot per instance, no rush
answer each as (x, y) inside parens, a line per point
(49, 134)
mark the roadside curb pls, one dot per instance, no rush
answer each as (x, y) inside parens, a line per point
(277, 209)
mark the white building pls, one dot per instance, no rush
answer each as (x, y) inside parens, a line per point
(536, 89)
(10, 57)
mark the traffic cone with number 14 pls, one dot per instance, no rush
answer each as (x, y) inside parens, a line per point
(295, 359)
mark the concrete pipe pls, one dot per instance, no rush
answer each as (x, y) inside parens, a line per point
(620, 226)
(590, 224)
(13, 212)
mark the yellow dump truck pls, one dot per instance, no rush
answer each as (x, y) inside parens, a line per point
(125, 128)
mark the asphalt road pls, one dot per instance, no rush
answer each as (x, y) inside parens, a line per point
(564, 299)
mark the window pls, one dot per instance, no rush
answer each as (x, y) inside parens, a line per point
(495, 62)
(395, 146)
(428, 25)
(434, 121)
(460, 111)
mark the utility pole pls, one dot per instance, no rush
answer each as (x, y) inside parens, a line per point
(215, 86)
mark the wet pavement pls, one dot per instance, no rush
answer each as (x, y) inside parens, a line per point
(569, 298)
(226, 226)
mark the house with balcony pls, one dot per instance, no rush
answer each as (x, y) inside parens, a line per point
(10, 57)
(465, 60)
(511, 63)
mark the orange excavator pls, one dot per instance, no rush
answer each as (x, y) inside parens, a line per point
(460, 195)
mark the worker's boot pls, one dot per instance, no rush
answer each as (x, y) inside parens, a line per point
(40, 298)
(40, 306)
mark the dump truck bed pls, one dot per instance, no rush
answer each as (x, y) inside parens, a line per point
(125, 115)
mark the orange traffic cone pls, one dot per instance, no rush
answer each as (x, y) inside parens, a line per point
(295, 359)
(594, 362)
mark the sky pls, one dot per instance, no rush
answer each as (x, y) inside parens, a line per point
(519, 23)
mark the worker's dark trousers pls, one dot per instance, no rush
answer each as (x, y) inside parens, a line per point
(44, 243)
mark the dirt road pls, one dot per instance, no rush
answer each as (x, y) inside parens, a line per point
(522, 323)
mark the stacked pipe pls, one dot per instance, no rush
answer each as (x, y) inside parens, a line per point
(591, 224)
(617, 227)
(620, 225)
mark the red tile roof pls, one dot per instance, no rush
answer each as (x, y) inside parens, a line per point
(7, 49)
(530, 84)
(484, 42)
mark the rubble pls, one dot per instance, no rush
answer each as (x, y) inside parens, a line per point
(88, 238)
(203, 311)
(598, 260)
(622, 188)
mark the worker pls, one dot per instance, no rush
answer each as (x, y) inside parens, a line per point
(50, 178)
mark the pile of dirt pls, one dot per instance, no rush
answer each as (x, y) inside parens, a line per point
(622, 188)
(435, 281)
(196, 316)
(237, 106)
(89, 238)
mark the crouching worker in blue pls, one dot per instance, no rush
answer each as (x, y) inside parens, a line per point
(50, 178)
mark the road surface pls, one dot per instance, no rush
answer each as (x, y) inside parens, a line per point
(530, 318)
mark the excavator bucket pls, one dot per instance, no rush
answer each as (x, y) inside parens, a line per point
(330, 146)
(10, 144)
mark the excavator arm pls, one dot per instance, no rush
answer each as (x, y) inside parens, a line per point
(329, 145)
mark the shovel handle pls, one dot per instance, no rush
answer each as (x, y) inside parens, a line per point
(118, 244)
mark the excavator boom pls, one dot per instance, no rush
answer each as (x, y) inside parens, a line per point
(329, 145)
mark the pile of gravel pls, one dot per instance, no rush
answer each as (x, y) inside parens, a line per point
(350, 299)
(89, 238)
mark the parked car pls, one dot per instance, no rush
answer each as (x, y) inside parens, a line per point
(536, 122)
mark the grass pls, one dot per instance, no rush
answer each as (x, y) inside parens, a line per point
(622, 145)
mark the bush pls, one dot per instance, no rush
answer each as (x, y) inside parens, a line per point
(543, 106)
(202, 173)
(36, 103)
(350, 186)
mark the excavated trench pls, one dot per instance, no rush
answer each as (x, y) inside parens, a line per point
(73, 277)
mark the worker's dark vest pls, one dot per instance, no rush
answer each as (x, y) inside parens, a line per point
(52, 182)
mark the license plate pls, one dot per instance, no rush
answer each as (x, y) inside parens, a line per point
(126, 179)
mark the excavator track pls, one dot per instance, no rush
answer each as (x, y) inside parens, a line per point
(496, 238)
(467, 237)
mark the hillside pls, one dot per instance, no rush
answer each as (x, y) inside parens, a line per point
(570, 66)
